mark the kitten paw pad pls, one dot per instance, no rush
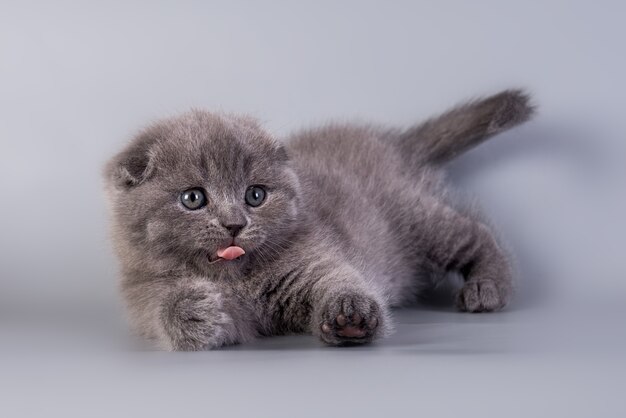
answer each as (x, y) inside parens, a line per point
(350, 320)
(482, 296)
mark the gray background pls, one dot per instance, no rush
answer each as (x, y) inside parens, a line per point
(77, 79)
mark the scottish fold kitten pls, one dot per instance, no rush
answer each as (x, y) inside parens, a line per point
(225, 233)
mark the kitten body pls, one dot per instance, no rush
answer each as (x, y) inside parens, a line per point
(355, 220)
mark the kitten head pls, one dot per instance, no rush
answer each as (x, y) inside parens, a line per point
(196, 191)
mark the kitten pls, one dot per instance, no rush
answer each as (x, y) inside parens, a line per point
(225, 234)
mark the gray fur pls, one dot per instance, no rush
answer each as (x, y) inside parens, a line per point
(355, 221)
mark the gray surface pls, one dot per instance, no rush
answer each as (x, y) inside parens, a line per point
(439, 363)
(77, 79)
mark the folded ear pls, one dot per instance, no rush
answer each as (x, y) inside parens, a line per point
(281, 153)
(134, 164)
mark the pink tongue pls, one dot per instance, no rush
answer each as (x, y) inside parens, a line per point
(230, 253)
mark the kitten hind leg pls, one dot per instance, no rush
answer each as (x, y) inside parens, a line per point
(457, 242)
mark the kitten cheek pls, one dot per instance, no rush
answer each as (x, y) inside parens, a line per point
(154, 229)
(293, 210)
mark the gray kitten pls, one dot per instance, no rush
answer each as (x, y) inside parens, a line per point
(226, 234)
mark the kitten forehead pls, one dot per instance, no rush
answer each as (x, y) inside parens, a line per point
(221, 134)
(203, 145)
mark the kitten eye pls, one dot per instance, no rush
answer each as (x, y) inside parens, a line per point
(255, 195)
(193, 199)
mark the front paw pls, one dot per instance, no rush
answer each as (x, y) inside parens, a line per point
(483, 295)
(193, 319)
(350, 318)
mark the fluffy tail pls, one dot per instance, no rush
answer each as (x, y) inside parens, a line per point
(440, 139)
